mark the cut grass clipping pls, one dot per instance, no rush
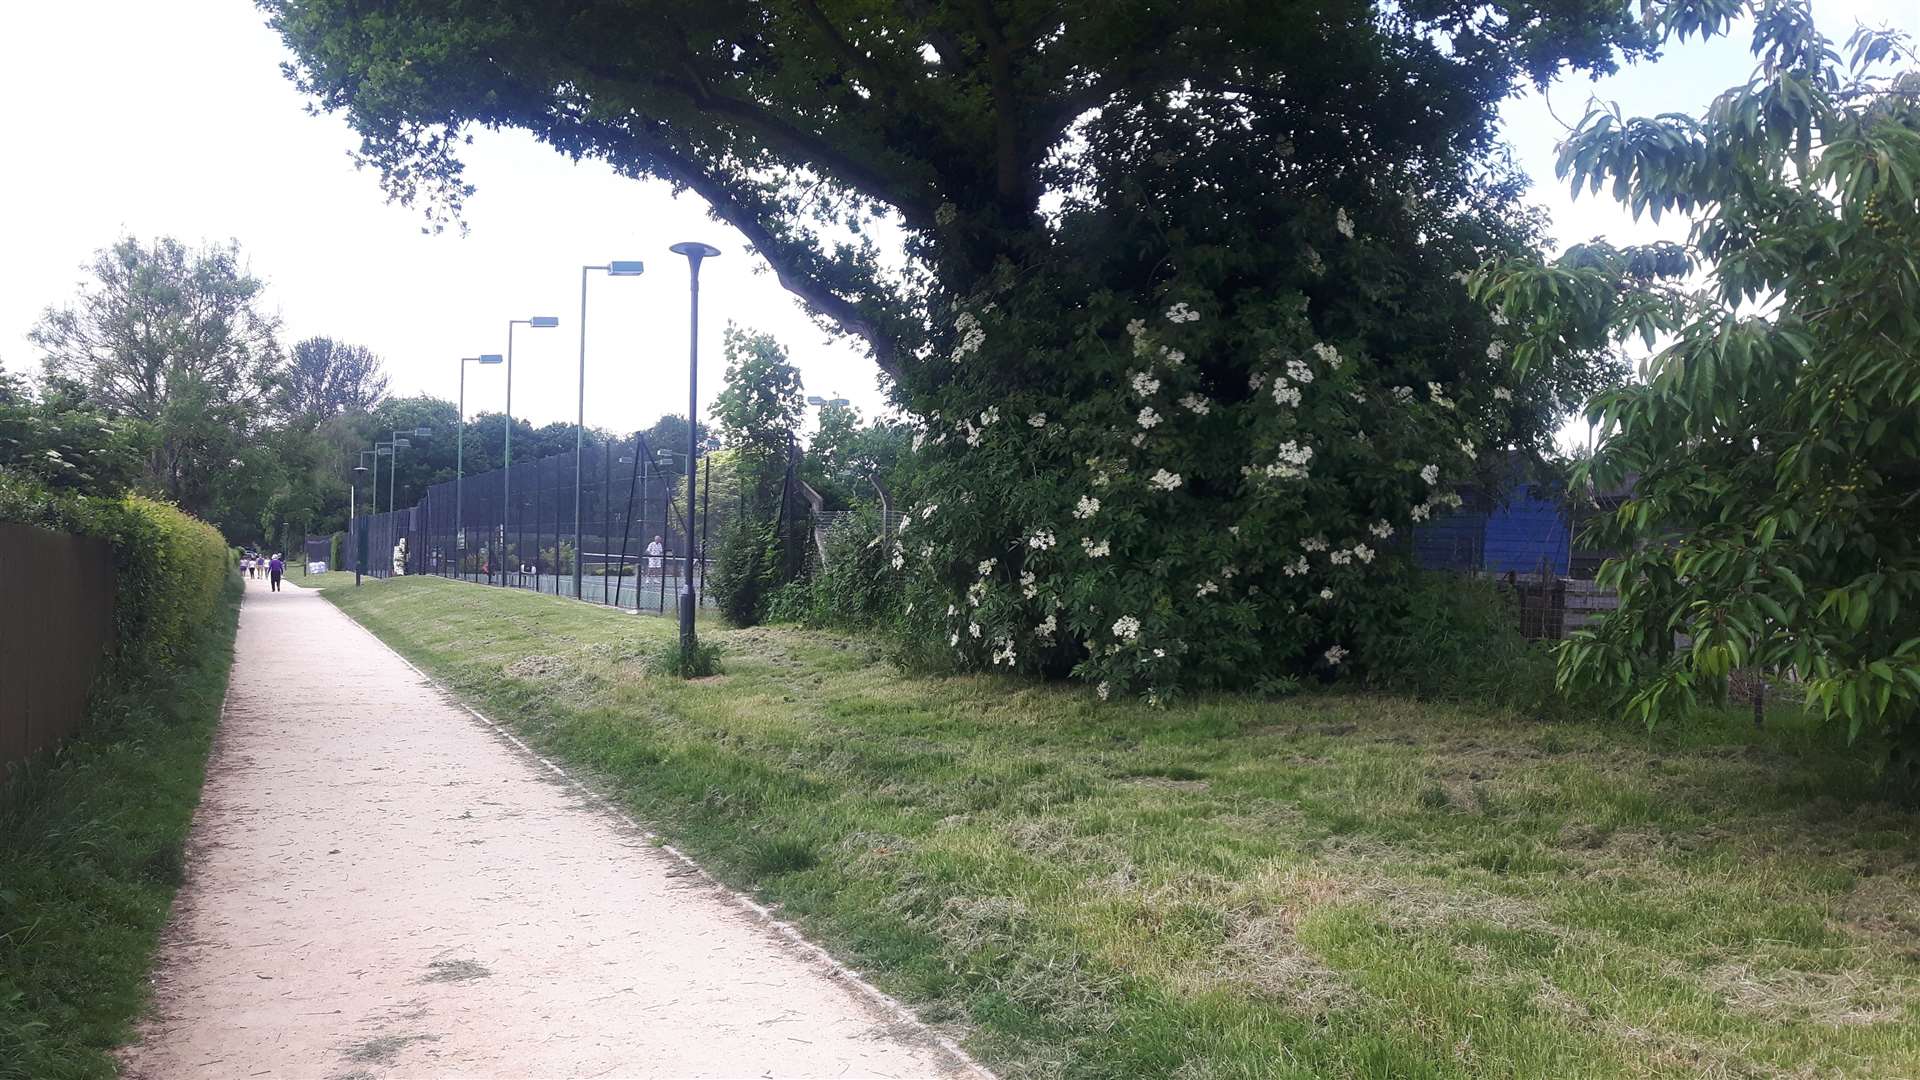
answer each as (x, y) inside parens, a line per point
(1333, 885)
(90, 855)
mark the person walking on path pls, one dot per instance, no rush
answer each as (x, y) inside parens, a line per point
(379, 882)
(275, 568)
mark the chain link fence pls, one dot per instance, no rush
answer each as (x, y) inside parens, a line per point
(516, 528)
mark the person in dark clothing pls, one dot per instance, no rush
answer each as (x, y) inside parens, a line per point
(275, 568)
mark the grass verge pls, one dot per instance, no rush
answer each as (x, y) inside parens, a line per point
(1330, 885)
(91, 844)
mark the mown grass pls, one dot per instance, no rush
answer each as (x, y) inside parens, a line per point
(329, 580)
(91, 851)
(1330, 885)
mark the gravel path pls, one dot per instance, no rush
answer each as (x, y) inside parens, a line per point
(380, 885)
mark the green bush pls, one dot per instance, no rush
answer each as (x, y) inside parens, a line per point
(853, 588)
(1458, 638)
(336, 544)
(745, 572)
(696, 663)
(168, 565)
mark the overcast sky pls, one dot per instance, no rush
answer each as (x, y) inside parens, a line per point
(144, 118)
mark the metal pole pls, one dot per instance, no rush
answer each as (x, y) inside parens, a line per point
(687, 639)
(393, 475)
(460, 480)
(579, 440)
(506, 470)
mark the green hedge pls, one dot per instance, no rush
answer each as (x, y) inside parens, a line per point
(168, 565)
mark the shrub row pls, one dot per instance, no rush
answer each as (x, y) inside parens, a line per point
(168, 565)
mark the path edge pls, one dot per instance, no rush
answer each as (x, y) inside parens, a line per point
(760, 912)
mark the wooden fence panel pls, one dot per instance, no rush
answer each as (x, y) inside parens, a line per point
(56, 626)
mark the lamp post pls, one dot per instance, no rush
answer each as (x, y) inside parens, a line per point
(353, 511)
(460, 466)
(400, 442)
(613, 268)
(543, 322)
(695, 252)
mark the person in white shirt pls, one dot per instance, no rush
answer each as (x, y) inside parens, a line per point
(655, 551)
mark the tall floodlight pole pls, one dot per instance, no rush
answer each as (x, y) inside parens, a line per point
(694, 251)
(460, 466)
(400, 442)
(614, 268)
(353, 511)
(506, 470)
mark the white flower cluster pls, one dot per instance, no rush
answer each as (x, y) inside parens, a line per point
(1501, 393)
(1328, 355)
(1363, 553)
(970, 433)
(1148, 418)
(1285, 393)
(1340, 557)
(1314, 543)
(1103, 690)
(1326, 594)
(1165, 481)
(1343, 224)
(1431, 474)
(899, 556)
(1046, 627)
(1499, 317)
(1095, 551)
(1126, 628)
(973, 629)
(1403, 394)
(1174, 357)
(1207, 588)
(1144, 383)
(976, 592)
(1496, 349)
(1466, 447)
(1037, 420)
(1028, 588)
(1439, 395)
(1256, 380)
(990, 416)
(1196, 404)
(1041, 541)
(987, 565)
(1299, 371)
(1293, 461)
(1004, 654)
(1087, 507)
(1382, 528)
(1335, 655)
(1295, 568)
(972, 336)
(1181, 313)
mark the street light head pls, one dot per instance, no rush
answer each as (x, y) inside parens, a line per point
(402, 444)
(816, 399)
(422, 432)
(544, 322)
(384, 450)
(626, 268)
(360, 468)
(694, 250)
(490, 358)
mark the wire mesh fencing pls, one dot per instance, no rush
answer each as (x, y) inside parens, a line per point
(612, 527)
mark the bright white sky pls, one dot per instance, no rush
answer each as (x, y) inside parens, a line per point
(143, 118)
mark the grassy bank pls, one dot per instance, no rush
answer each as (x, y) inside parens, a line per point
(90, 856)
(1331, 885)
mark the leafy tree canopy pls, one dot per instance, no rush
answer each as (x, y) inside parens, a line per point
(177, 340)
(1773, 443)
(1181, 302)
(325, 378)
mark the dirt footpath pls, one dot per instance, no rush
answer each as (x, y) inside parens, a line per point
(379, 885)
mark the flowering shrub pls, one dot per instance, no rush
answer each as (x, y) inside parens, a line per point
(1205, 494)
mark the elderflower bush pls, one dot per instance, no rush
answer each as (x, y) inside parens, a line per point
(1216, 506)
